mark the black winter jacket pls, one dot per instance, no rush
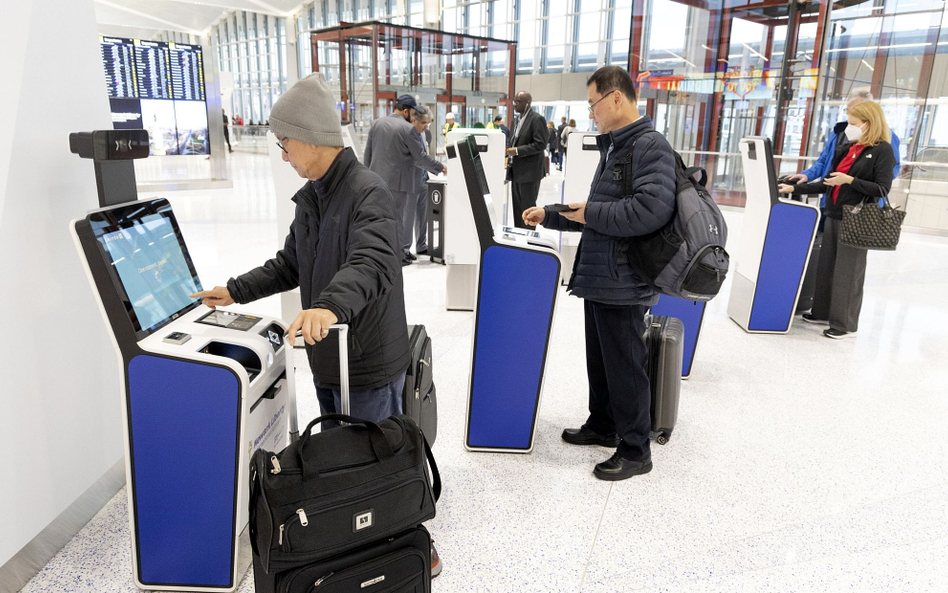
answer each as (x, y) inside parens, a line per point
(342, 251)
(601, 271)
(872, 178)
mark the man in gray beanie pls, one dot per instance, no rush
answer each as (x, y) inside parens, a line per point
(343, 253)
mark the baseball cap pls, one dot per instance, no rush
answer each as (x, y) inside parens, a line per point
(407, 100)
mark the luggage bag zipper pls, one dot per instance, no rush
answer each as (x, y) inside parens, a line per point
(304, 519)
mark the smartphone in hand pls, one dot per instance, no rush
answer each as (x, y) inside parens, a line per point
(561, 208)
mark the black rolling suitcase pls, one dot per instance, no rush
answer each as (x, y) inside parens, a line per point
(419, 399)
(400, 564)
(664, 337)
(808, 289)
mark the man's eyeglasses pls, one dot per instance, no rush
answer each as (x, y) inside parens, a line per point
(601, 99)
(281, 146)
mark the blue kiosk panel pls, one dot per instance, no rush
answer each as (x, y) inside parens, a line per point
(184, 428)
(691, 314)
(787, 245)
(514, 318)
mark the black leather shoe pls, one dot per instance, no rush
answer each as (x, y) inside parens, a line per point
(422, 252)
(585, 436)
(406, 262)
(808, 317)
(619, 468)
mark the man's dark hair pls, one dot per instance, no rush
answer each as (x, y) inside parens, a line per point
(613, 78)
(498, 118)
(400, 107)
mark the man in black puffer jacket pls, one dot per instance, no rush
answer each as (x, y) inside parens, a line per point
(616, 297)
(343, 252)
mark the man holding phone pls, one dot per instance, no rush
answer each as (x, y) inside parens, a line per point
(633, 193)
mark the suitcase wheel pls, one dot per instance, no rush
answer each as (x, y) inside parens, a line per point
(661, 440)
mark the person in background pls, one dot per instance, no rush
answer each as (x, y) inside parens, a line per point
(478, 125)
(227, 132)
(861, 171)
(559, 135)
(526, 153)
(393, 150)
(449, 124)
(421, 119)
(498, 124)
(824, 164)
(564, 138)
(615, 298)
(554, 147)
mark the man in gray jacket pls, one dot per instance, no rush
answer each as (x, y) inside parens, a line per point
(421, 119)
(393, 152)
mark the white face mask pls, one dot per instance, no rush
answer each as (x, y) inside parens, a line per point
(854, 133)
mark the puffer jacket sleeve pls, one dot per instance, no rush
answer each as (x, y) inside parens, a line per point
(555, 222)
(373, 262)
(652, 202)
(277, 275)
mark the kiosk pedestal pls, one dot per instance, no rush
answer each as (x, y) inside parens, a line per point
(516, 293)
(437, 186)
(776, 238)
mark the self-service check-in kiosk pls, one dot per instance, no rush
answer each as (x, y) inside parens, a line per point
(201, 391)
(515, 298)
(461, 247)
(776, 238)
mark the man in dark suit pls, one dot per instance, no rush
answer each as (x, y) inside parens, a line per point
(526, 169)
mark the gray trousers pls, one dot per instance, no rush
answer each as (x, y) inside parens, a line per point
(405, 210)
(421, 220)
(840, 276)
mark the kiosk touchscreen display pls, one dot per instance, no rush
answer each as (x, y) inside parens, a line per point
(149, 262)
(470, 153)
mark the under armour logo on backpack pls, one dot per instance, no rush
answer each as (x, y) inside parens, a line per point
(713, 229)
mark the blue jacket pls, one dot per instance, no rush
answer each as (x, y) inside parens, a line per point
(824, 165)
(601, 271)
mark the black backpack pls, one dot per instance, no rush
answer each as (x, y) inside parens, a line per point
(686, 257)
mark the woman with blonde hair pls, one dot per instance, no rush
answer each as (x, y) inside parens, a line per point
(862, 172)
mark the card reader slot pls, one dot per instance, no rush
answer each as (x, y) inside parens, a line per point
(245, 356)
(271, 391)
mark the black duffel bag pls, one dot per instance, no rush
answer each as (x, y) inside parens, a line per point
(339, 489)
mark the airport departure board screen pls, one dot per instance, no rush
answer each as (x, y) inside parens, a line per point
(158, 86)
(150, 264)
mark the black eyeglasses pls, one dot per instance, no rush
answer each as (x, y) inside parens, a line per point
(601, 99)
(281, 146)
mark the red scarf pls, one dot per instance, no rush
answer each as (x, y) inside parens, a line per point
(846, 163)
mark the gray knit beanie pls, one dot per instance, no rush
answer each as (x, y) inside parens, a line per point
(307, 112)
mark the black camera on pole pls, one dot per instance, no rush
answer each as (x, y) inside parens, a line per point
(112, 152)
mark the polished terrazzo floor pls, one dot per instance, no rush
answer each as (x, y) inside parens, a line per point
(799, 463)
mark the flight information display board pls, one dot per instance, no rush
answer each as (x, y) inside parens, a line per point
(158, 86)
(153, 69)
(187, 72)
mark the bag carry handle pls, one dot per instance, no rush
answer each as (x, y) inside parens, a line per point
(702, 180)
(380, 445)
(435, 474)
